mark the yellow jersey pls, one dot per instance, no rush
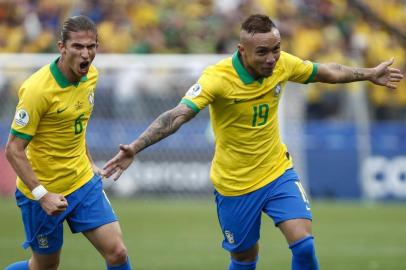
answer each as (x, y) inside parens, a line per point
(249, 152)
(52, 114)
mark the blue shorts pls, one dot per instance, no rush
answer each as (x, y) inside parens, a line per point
(88, 208)
(240, 216)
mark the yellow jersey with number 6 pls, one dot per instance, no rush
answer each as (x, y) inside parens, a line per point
(52, 114)
(249, 152)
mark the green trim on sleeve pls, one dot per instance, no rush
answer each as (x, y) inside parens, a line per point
(314, 72)
(21, 135)
(190, 104)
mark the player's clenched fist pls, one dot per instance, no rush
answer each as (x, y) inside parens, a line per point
(53, 204)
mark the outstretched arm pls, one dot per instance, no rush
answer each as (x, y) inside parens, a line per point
(382, 74)
(166, 124)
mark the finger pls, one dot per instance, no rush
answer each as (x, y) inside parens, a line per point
(110, 171)
(390, 61)
(118, 174)
(396, 76)
(108, 164)
(61, 208)
(394, 72)
(394, 79)
(103, 174)
(111, 164)
(63, 203)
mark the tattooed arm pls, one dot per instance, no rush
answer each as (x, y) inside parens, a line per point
(166, 124)
(382, 74)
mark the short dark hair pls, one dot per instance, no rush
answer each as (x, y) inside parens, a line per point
(77, 24)
(257, 23)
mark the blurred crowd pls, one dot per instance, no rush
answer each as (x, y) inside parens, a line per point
(352, 32)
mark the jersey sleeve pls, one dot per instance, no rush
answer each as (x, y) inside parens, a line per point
(30, 108)
(300, 71)
(202, 93)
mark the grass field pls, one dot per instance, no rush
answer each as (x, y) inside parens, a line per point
(180, 234)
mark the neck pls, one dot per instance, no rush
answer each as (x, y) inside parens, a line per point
(66, 71)
(253, 74)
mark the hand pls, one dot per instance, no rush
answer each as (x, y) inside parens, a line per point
(97, 170)
(385, 75)
(120, 162)
(53, 204)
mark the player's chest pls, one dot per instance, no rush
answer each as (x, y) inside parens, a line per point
(249, 108)
(72, 103)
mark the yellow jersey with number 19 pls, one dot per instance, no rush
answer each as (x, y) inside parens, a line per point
(249, 152)
(52, 114)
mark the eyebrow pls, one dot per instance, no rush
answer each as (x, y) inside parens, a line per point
(84, 45)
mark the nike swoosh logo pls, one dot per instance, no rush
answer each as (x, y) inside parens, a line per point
(239, 100)
(61, 110)
(248, 99)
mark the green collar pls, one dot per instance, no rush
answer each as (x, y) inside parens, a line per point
(245, 77)
(60, 78)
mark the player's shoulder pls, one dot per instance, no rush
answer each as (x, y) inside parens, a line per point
(287, 57)
(93, 71)
(221, 71)
(289, 61)
(39, 79)
(219, 68)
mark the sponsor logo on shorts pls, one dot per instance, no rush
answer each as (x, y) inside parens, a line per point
(21, 118)
(229, 236)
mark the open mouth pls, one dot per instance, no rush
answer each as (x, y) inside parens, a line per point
(84, 65)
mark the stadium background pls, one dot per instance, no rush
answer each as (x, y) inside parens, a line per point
(347, 140)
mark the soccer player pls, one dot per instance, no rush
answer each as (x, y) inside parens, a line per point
(57, 179)
(252, 170)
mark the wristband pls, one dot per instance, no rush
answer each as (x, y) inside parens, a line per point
(39, 192)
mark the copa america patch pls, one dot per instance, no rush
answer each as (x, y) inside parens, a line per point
(194, 91)
(21, 118)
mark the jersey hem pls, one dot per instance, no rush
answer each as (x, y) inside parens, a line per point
(251, 189)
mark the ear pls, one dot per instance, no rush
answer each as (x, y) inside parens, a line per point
(241, 49)
(61, 47)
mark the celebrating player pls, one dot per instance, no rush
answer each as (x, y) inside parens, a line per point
(252, 171)
(57, 179)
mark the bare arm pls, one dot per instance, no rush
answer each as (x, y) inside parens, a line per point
(382, 74)
(166, 124)
(15, 152)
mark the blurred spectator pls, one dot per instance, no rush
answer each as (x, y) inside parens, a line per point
(320, 30)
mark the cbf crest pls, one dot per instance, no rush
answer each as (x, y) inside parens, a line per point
(229, 236)
(277, 90)
(91, 98)
(42, 241)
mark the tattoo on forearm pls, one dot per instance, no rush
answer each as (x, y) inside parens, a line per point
(166, 124)
(358, 74)
(338, 67)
